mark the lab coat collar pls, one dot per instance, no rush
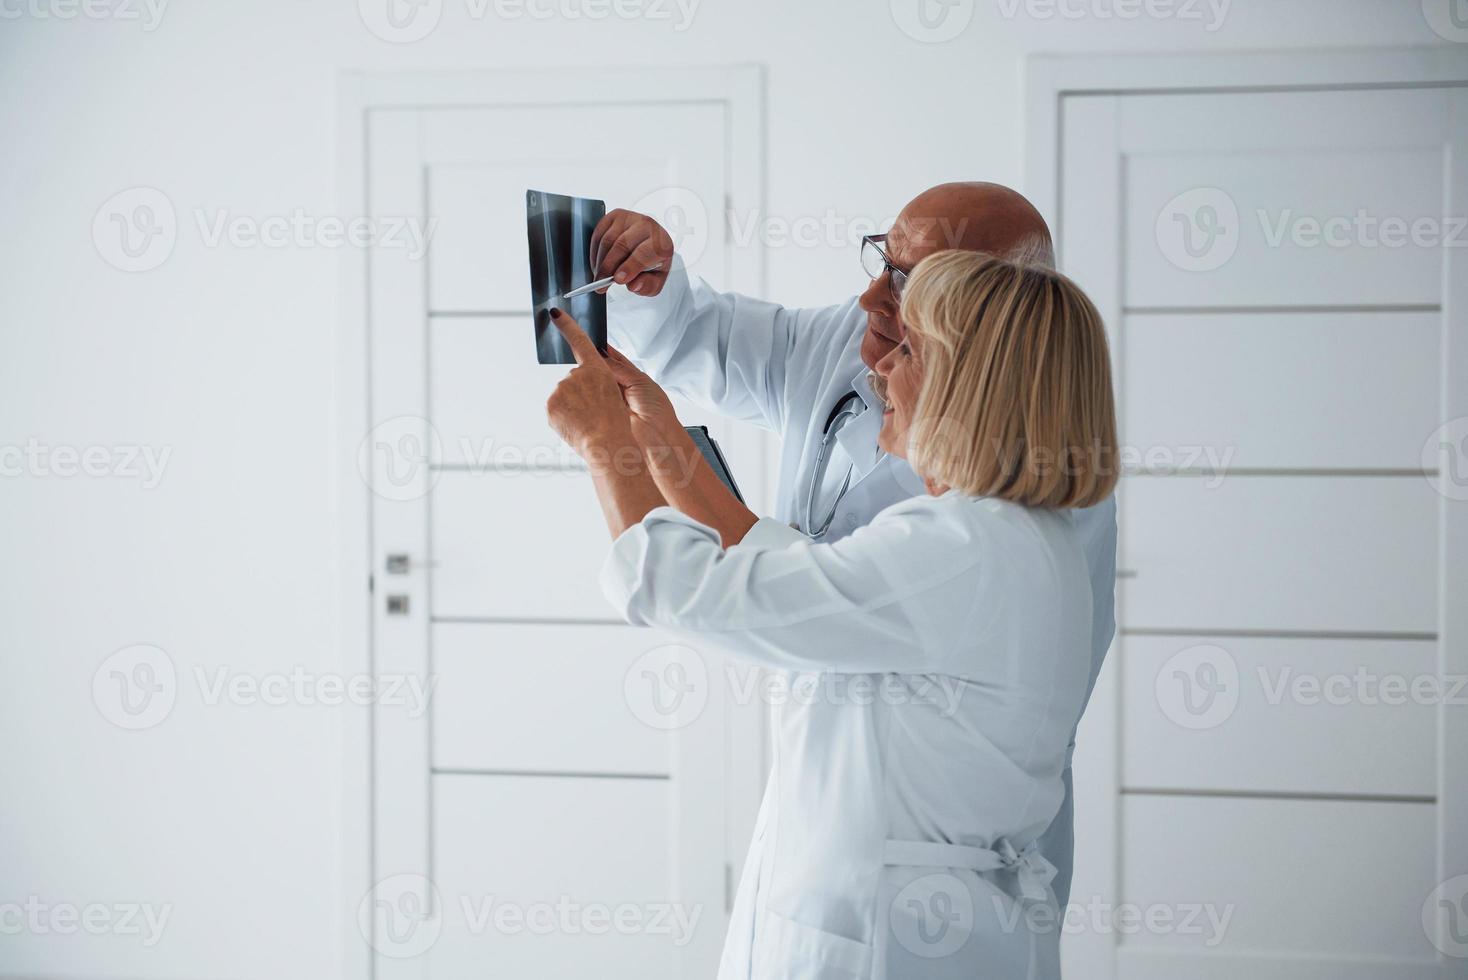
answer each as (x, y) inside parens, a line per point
(858, 436)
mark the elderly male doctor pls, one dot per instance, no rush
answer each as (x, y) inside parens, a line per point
(805, 375)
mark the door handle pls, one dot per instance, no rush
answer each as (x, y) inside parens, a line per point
(400, 564)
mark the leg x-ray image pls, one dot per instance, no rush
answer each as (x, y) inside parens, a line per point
(560, 230)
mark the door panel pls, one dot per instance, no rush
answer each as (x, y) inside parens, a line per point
(509, 849)
(1305, 715)
(641, 158)
(1283, 121)
(1149, 963)
(488, 418)
(567, 684)
(478, 207)
(518, 546)
(1280, 553)
(1295, 239)
(1348, 390)
(484, 413)
(1277, 866)
(1253, 164)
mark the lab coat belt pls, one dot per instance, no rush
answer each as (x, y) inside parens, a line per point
(1028, 864)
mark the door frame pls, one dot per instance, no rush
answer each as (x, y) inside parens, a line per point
(741, 90)
(1051, 77)
(1049, 80)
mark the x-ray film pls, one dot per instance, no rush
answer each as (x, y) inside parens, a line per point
(560, 230)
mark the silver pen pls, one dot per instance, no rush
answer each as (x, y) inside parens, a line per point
(592, 287)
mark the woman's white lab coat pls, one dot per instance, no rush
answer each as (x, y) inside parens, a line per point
(947, 646)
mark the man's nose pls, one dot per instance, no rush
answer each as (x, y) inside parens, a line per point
(877, 298)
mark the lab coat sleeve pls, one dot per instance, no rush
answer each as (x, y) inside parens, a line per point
(770, 533)
(730, 353)
(1098, 540)
(865, 604)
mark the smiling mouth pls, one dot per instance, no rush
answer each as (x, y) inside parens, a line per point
(878, 385)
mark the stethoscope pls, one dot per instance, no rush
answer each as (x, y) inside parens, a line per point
(844, 411)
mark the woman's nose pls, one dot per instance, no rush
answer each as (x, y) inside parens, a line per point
(884, 366)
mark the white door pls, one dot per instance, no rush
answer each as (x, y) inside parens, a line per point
(572, 800)
(1278, 271)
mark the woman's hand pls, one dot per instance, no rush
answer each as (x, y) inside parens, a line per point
(652, 414)
(588, 411)
(587, 408)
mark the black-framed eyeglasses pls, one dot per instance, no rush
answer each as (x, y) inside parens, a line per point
(874, 262)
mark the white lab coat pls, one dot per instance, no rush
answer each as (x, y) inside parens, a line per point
(897, 836)
(785, 369)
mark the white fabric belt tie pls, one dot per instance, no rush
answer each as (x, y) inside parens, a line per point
(1029, 865)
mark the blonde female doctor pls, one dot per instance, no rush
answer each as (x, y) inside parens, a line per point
(896, 838)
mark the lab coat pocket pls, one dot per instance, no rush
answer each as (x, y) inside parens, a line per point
(940, 923)
(790, 950)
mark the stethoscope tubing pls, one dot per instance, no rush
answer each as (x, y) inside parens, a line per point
(841, 413)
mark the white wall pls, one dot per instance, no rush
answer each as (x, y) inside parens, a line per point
(229, 814)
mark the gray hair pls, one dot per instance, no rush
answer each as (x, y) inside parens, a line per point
(1033, 249)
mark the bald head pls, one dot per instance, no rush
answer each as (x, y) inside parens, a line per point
(976, 216)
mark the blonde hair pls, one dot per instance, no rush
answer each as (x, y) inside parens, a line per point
(1016, 400)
